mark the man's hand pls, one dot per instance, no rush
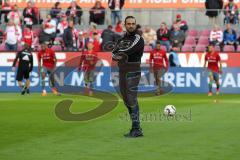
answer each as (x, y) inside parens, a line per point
(116, 57)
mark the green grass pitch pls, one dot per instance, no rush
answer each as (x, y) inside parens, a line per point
(31, 131)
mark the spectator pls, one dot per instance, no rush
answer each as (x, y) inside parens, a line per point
(29, 15)
(177, 36)
(13, 36)
(230, 36)
(216, 36)
(27, 36)
(213, 8)
(107, 36)
(116, 10)
(70, 37)
(231, 13)
(56, 12)
(173, 57)
(96, 42)
(150, 37)
(74, 12)
(181, 23)
(119, 27)
(49, 30)
(97, 14)
(37, 14)
(163, 35)
(83, 40)
(15, 15)
(62, 26)
(93, 29)
(139, 29)
(6, 8)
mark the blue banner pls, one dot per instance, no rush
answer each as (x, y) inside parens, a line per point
(182, 80)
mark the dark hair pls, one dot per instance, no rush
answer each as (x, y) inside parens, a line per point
(110, 26)
(128, 17)
(211, 44)
(138, 26)
(56, 4)
(158, 42)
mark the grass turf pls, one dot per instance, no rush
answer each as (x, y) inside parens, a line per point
(30, 130)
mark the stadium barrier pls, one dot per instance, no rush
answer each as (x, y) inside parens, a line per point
(190, 78)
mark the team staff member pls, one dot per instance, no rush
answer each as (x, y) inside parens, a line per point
(25, 66)
(158, 65)
(214, 66)
(46, 65)
(129, 61)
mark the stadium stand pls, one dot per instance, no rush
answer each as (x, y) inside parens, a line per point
(196, 37)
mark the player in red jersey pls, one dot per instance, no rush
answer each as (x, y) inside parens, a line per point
(158, 65)
(214, 67)
(87, 64)
(46, 65)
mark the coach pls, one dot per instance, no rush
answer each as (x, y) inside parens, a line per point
(128, 52)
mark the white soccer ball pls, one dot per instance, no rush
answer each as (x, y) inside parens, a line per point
(170, 110)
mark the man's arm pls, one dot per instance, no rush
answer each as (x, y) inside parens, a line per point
(15, 61)
(137, 45)
(166, 61)
(206, 4)
(31, 63)
(82, 57)
(39, 62)
(115, 51)
(220, 64)
(172, 64)
(151, 61)
(205, 62)
(54, 58)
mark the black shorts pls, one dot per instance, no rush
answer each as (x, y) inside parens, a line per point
(22, 74)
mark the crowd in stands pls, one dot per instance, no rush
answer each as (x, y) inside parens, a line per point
(59, 29)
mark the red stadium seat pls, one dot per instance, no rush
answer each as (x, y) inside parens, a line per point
(217, 48)
(57, 48)
(2, 47)
(187, 48)
(203, 41)
(59, 39)
(147, 48)
(200, 48)
(190, 41)
(193, 33)
(36, 31)
(205, 33)
(228, 48)
(238, 49)
(19, 47)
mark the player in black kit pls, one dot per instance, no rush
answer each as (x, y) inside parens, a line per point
(128, 52)
(25, 66)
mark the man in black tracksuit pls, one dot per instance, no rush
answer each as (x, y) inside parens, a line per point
(25, 66)
(128, 52)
